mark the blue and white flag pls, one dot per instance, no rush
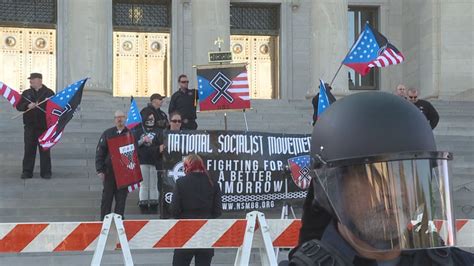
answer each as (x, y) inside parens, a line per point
(323, 98)
(133, 117)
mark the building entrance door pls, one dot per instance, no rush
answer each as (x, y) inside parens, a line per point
(141, 47)
(141, 63)
(261, 54)
(27, 50)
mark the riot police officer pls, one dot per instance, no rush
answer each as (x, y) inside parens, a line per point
(381, 181)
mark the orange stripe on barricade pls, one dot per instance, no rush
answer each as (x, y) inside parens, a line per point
(80, 238)
(460, 223)
(289, 237)
(20, 236)
(180, 233)
(234, 236)
(133, 227)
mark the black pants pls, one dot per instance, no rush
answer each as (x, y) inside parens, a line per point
(202, 257)
(110, 192)
(31, 144)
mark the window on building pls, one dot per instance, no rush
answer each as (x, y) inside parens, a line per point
(29, 13)
(142, 15)
(357, 17)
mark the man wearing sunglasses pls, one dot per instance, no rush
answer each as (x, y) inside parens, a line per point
(425, 107)
(184, 102)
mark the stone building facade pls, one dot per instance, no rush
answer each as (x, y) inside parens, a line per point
(311, 38)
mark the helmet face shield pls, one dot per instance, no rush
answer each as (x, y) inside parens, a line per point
(389, 205)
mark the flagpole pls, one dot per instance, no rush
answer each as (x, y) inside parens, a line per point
(348, 52)
(17, 115)
(337, 72)
(32, 102)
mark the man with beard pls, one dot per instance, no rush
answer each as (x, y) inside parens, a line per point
(376, 195)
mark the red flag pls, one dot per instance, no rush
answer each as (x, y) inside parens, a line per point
(10, 94)
(59, 111)
(125, 161)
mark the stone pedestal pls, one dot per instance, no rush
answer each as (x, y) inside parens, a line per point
(329, 42)
(85, 43)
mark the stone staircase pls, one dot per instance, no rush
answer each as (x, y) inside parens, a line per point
(73, 194)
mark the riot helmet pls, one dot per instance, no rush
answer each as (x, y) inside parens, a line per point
(378, 172)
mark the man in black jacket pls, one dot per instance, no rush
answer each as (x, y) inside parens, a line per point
(103, 166)
(184, 102)
(425, 107)
(34, 122)
(156, 100)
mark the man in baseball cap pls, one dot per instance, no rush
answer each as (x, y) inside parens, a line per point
(35, 124)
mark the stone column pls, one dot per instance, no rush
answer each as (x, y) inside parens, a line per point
(211, 19)
(329, 43)
(85, 43)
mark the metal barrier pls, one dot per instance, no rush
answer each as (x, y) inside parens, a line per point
(244, 234)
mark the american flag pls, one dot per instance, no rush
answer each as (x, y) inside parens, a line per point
(372, 49)
(300, 172)
(133, 117)
(323, 98)
(240, 86)
(59, 111)
(10, 94)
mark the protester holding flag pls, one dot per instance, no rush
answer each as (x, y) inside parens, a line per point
(316, 99)
(150, 147)
(104, 168)
(184, 101)
(33, 104)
